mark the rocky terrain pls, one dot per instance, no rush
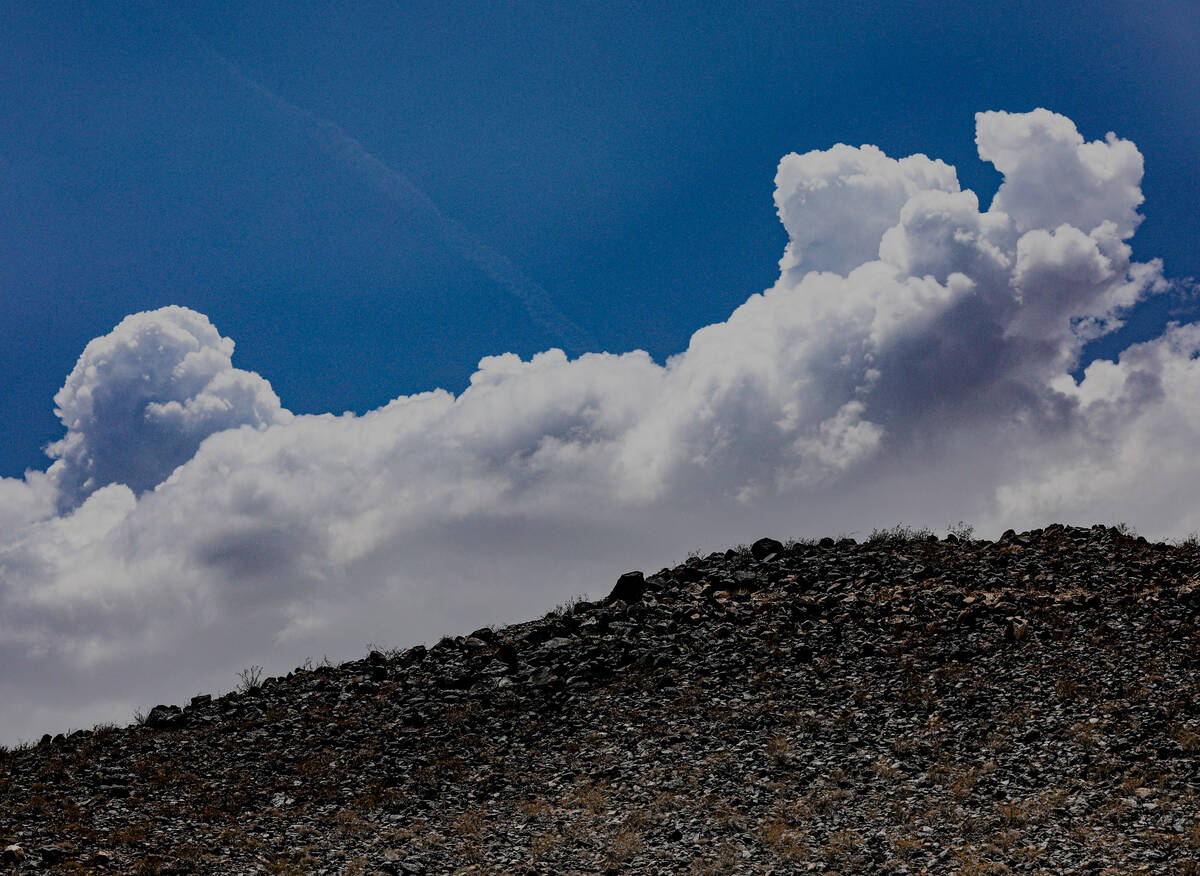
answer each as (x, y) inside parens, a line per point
(904, 705)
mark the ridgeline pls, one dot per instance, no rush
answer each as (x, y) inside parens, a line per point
(904, 705)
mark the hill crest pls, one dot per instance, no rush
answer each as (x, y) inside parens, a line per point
(906, 704)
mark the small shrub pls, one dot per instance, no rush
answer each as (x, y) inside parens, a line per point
(565, 608)
(783, 839)
(904, 847)
(1066, 688)
(250, 678)
(1012, 813)
(624, 844)
(779, 750)
(898, 533)
(961, 530)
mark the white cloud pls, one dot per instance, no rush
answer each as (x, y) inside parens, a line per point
(1052, 177)
(911, 363)
(142, 398)
(835, 204)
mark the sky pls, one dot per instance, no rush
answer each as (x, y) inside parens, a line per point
(331, 324)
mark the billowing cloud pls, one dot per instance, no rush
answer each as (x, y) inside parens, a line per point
(1052, 177)
(142, 398)
(913, 362)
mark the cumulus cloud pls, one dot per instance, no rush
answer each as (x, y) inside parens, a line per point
(912, 362)
(835, 204)
(142, 398)
(1052, 177)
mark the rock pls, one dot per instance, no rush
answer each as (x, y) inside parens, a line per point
(12, 854)
(764, 548)
(1016, 630)
(165, 717)
(377, 658)
(747, 580)
(507, 653)
(535, 748)
(629, 588)
(102, 858)
(545, 678)
(413, 655)
(51, 855)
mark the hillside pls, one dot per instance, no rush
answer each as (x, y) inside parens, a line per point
(904, 705)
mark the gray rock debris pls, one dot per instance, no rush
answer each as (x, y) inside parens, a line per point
(896, 706)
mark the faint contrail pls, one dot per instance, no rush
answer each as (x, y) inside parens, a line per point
(340, 145)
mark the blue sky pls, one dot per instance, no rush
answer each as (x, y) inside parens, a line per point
(376, 200)
(620, 155)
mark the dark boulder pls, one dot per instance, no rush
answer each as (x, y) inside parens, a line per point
(507, 653)
(629, 588)
(765, 547)
(165, 717)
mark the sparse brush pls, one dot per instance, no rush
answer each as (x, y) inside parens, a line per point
(961, 530)
(899, 533)
(565, 608)
(250, 678)
(779, 750)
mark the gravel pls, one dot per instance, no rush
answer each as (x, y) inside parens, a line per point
(905, 705)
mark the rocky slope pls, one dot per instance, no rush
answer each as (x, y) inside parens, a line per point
(906, 705)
